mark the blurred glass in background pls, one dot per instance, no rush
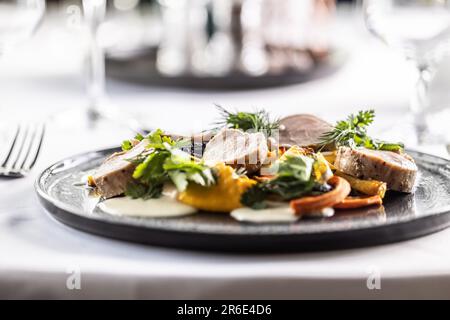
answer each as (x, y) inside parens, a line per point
(243, 44)
(235, 43)
(420, 29)
(112, 25)
(216, 37)
(230, 43)
(18, 20)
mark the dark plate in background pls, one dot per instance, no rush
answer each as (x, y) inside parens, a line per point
(140, 67)
(404, 216)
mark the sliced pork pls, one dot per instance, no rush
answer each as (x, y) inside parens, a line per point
(397, 170)
(238, 149)
(113, 176)
(302, 130)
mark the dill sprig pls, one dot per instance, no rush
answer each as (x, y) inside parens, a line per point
(258, 121)
(352, 132)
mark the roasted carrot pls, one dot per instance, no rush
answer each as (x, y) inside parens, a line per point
(341, 189)
(330, 156)
(358, 202)
(368, 187)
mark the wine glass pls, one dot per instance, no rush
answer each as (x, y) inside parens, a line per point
(420, 29)
(18, 20)
(96, 14)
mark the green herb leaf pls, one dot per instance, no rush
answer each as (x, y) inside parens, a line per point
(128, 144)
(386, 146)
(139, 137)
(138, 190)
(352, 132)
(257, 121)
(285, 188)
(163, 161)
(298, 167)
(183, 169)
(255, 197)
(293, 180)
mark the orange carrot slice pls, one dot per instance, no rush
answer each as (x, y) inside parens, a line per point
(358, 202)
(341, 189)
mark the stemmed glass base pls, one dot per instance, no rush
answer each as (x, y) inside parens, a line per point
(420, 102)
(106, 111)
(425, 124)
(99, 107)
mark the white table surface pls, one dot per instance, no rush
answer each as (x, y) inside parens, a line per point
(43, 78)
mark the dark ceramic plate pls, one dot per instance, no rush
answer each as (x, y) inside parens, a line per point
(140, 67)
(403, 216)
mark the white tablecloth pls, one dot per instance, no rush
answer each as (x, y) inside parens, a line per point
(38, 255)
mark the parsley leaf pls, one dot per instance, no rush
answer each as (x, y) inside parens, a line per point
(352, 132)
(128, 144)
(182, 170)
(163, 161)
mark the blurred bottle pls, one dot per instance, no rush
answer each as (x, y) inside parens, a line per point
(297, 33)
(184, 37)
(255, 37)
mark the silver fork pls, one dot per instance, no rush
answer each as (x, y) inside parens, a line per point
(23, 152)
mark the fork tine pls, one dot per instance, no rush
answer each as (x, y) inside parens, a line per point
(11, 149)
(38, 150)
(21, 148)
(31, 142)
